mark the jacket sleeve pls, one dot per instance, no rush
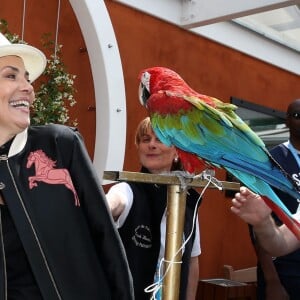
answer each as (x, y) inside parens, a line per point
(105, 236)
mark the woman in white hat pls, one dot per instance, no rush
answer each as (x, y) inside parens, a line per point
(57, 238)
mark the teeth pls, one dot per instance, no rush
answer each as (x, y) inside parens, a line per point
(19, 103)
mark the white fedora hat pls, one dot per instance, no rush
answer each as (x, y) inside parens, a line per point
(34, 60)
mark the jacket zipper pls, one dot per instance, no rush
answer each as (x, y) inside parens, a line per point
(5, 158)
(3, 252)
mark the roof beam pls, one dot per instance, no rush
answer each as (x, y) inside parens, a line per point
(193, 13)
(197, 13)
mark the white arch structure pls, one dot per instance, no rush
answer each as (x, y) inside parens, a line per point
(108, 80)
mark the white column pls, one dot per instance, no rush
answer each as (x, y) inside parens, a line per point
(108, 80)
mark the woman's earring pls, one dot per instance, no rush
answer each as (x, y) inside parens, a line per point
(176, 159)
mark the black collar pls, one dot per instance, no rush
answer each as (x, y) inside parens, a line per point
(5, 147)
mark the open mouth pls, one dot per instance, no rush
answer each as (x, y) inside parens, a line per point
(19, 103)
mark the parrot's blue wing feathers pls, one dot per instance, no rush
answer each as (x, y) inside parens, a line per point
(260, 187)
(229, 144)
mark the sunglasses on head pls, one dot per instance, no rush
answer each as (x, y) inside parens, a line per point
(295, 115)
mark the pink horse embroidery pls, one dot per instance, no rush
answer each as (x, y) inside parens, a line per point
(44, 171)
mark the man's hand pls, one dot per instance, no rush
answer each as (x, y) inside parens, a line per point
(250, 207)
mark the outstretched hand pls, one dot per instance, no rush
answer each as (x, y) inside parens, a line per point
(250, 207)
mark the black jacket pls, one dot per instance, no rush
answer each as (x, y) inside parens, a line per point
(71, 242)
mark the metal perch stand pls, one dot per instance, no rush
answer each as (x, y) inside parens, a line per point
(176, 204)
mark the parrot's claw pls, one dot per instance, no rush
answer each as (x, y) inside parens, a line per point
(185, 178)
(208, 174)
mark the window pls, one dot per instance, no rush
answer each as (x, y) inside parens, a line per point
(268, 123)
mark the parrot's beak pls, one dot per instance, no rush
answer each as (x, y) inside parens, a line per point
(143, 94)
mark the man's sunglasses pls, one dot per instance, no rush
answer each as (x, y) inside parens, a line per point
(295, 115)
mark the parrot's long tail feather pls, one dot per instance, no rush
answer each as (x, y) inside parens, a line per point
(291, 223)
(287, 175)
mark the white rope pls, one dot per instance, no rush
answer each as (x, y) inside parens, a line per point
(156, 286)
(23, 20)
(56, 30)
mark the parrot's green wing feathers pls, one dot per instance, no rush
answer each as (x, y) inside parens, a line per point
(226, 113)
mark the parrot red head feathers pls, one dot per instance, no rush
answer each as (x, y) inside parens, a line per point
(161, 81)
(158, 80)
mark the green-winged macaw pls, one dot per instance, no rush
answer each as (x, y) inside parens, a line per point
(207, 131)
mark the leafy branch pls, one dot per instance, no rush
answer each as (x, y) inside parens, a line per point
(54, 94)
